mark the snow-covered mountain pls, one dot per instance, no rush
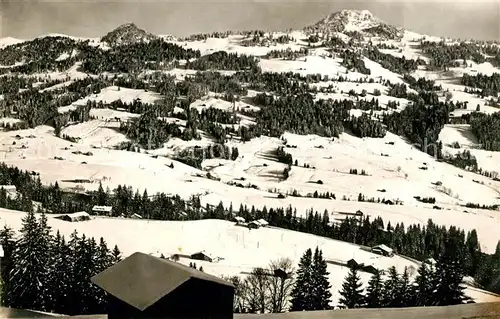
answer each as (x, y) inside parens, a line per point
(4, 42)
(327, 89)
(362, 21)
(127, 33)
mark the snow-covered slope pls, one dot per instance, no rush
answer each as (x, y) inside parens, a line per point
(362, 21)
(239, 249)
(396, 169)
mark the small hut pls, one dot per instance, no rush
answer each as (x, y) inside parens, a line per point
(202, 255)
(74, 217)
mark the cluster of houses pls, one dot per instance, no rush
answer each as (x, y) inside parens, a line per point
(96, 210)
(240, 221)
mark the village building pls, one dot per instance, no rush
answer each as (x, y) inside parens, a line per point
(136, 216)
(383, 250)
(102, 210)
(75, 217)
(202, 255)
(262, 222)
(253, 225)
(239, 220)
(143, 286)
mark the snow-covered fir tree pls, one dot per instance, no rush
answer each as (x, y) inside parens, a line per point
(352, 293)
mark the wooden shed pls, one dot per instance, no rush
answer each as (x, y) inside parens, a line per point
(143, 286)
(74, 217)
(202, 255)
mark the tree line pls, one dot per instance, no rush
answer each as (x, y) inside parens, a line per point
(415, 241)
(281, 287)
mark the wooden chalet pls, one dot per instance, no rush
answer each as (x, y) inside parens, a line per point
(383, 250)
(102, 210)
(143, 286)
(202, 255)
(74, 217)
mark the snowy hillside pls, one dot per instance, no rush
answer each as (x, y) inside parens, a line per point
(239, 249)
(349, 114)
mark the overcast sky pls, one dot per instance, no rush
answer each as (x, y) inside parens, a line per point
(86, 18)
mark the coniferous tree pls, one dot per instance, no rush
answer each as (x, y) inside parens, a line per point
(116, 255)
(374, 292)
(473, 253)
(321, 285)
(58, 275)
(405, 292)
(28, 272)
(449, 290)
(352, 293)
(424, 286)
(45, 242)
(8, 245)
(303, 291)
(391, 288)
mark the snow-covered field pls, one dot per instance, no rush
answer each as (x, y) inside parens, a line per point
(395, 169)
(241, 249)
(396, 176)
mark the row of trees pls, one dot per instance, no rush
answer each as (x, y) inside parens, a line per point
(43, 271)
(486, 128)
(416, 241)
(280, 287)
(393, 63)
(489, 85)
(445, 55)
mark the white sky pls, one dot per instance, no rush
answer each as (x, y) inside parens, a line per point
(93, 18)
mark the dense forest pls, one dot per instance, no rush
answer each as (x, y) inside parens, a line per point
(392, 63)
(486, 128)
(489, 85)
(444, 55)
(47, 272)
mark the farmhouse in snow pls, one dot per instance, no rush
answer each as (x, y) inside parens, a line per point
(239, 220)
(202, 255)
(257, 224)
(383, 250)
(74, 217)
(262, 222)
(102, 210)
(143, 286)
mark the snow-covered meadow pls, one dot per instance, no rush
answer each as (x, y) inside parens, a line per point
(239, 249)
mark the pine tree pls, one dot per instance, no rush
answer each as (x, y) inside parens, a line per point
(391, 288)
(405, 292)
(374, 291)
(302, 293)
(423, 290)
(321, 285)
(8, 245)
(473, 253)
(116, 255)
(30, 267)
(58, 274)
(45, 243)
(449, 290)
(352, 293)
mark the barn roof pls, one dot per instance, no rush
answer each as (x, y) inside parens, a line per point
(203, 253)
(384, 248)
(102, 208)
(262, 222)
(141, 280)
